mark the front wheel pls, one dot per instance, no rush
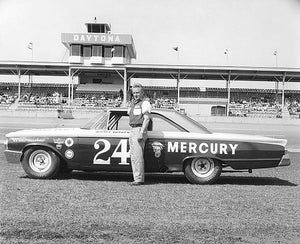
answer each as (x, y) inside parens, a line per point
(202, 170)
(40, 163)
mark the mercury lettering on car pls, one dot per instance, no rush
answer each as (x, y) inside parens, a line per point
(203, 147)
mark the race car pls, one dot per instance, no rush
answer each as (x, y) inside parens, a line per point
(176, 143)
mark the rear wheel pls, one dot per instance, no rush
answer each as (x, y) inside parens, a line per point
(40, 163)
(202, 170)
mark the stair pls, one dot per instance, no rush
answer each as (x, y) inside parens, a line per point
(285, 113)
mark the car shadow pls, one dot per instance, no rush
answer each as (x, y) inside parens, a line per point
(174, 178)
(150, 179)
(253, 180)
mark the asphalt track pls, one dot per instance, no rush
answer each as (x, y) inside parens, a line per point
(289, 132)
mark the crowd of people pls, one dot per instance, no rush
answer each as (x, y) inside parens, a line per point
(7, 99)
(102, 102)
(294, 107)
(255, 108)
(242, 107)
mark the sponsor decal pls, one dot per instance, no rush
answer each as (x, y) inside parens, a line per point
(59, 146)
(69, 142)
(23, 139)
(58, 140)
(157, 148)
(113, 131)
(69, 154)
(204, 147)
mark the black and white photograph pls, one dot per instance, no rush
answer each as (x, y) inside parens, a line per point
(168, 121)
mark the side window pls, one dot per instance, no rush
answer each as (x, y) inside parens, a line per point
(160, 124)
(123, 123)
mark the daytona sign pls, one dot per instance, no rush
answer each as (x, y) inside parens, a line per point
(96, 38)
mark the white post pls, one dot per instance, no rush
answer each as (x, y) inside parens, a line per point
(228, 94)
(19, 86)
(69, 88)
(282, 97)
(178, 88)
(72, 88)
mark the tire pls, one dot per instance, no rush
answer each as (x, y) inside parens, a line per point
(40, 163)
(202, 170)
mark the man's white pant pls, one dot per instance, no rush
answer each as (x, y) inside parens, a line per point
(137, 154)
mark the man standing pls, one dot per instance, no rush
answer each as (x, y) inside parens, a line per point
(139, 118)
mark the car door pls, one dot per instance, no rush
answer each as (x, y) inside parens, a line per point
(157, 158)
(106, 149)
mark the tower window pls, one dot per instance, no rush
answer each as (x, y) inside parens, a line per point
(108, 52)
(87, 51)
(75, 50)
(97, 51)
(118, 51)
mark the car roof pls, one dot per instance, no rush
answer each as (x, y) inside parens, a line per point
(177, 117)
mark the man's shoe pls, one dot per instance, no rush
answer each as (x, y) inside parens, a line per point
(136, 183)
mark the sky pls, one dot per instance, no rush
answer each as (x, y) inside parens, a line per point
(251, 30)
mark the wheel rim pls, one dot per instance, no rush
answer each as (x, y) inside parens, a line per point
(202, 167)
(40, 161)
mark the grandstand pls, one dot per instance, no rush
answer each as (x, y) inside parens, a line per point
(101, 63)
(245, 102)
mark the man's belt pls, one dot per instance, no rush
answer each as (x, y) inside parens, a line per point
(133, 126)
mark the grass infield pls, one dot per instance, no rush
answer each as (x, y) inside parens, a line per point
(262, 207)
(102, 208)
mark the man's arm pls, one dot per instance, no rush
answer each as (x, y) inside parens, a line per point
(145, 122)
(144, 126)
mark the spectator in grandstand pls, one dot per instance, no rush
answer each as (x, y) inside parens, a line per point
(139, 118)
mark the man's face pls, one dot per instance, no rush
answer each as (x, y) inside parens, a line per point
(136, 92)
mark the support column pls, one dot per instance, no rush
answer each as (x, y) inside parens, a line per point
(72, 88)
(178, 88)
(277, 89)
(228, 93)
(19, 86)
(282, 96)
(69, 88)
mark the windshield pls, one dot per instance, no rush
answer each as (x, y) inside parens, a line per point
(98, 122)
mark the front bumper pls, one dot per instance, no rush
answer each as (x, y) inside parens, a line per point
(13, 156)
(285, 161)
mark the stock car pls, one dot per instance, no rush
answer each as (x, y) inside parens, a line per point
(176, 143)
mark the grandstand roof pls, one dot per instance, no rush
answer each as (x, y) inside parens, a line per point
(156, 71)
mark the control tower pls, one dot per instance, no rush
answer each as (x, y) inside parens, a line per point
(98, 46)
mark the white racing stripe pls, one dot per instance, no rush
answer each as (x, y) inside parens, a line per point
(292, 150)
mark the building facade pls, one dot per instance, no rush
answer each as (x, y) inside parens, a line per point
(99, 46)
